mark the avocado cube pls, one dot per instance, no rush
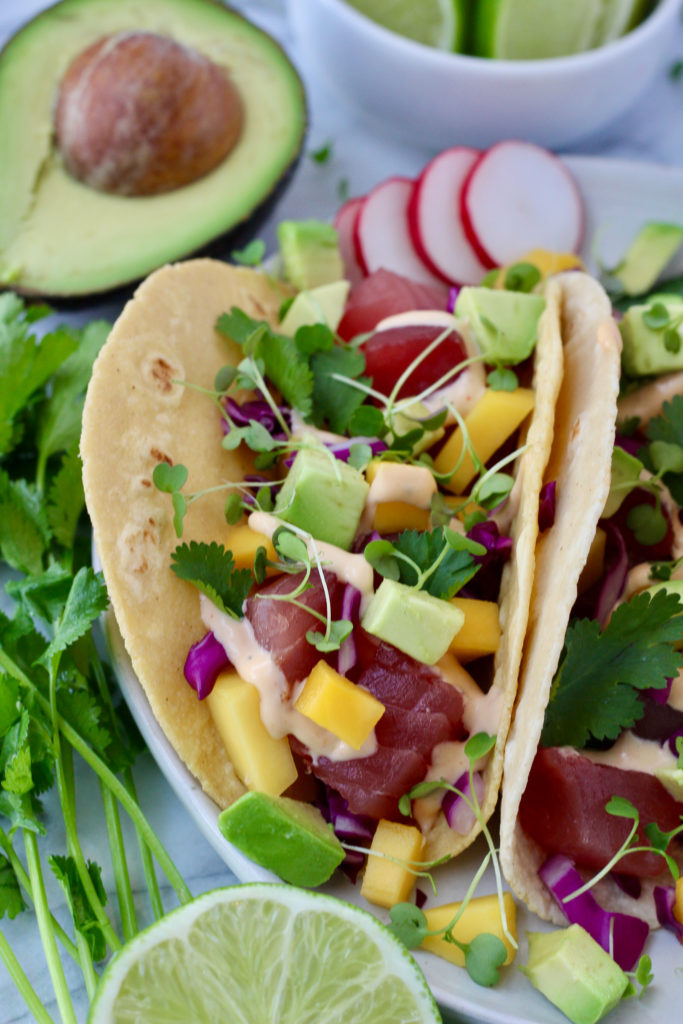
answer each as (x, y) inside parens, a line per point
(323, 496)
(575, 973)
(647, 256)
(418, 624)
(310, 253)
(645, 350)
(260, 761)
(321, 305)
(386, 882)
(288, 837)
(331, 700)
(505, 324)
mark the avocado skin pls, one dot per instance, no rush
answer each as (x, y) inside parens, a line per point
(224, 236)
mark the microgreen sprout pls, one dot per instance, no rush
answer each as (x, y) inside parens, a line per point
(642, 977)
(299, 551)
(658, 317)
(251, 255)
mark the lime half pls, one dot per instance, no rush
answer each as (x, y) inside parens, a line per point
(534, 29)
(264, 954)
(436, 23)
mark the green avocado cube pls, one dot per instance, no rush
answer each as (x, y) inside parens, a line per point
(310, 254)
(647, 350)
(323, 496)
(289, 838)
(321, 305)
(647, 256)
(504, 323)
(418, 624)
(575, 973)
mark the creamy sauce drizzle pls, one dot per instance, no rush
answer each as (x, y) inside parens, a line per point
(395, 481)
(632, 753)
(482, 710)
(279, 716)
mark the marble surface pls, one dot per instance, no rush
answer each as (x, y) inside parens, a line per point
(361, 156)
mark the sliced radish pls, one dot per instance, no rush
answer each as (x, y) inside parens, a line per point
(517, 197)
(345, 223)
(382, 237)
(434, 218)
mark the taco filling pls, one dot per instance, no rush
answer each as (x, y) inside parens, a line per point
(593, 802)
(361, 612)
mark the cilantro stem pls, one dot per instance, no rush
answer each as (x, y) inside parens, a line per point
(124, 891)
(47, 935)
(25, 883)
(22, 983)
(131, 807)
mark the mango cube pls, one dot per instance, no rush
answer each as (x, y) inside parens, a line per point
(482, 914)
(385, 882)
(244, 543)
(489, 424)
(480, 632)
(260, 761)
(338, 705)
(394, 516)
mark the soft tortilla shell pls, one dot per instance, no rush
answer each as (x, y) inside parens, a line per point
(136, 416)
(580, 462)
(516, 583)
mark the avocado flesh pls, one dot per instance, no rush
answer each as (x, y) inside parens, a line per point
(60, 237)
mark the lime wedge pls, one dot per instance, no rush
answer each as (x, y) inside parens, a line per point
(534, 29)
(264, 954)
(618, 17)
(436, 23)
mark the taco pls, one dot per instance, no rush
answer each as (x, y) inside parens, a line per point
(147, 404)
(591, 765)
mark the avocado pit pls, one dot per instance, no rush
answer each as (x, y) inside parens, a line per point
(138, 114)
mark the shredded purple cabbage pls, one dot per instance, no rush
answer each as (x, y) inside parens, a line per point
(453, 293)
(613, 583)
(342, 449)
(665, 901)
(255, 409)
(420, 898)
(350, 608)
(459, 815)
(204, 661)
(256, 481)
(630, 444)
(546, 505)
(348, 827)
(486, 584)
(622, 935)
(659, 694)
(630, 884)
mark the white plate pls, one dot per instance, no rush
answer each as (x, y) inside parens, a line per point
(620, 196)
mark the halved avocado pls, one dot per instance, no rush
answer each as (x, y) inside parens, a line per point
(59, 237)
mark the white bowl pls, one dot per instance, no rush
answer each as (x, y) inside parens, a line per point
(441, 99)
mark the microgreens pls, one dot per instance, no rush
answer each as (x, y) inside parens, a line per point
(642, 977)
(658, 317)
(440, 561)
(522, 277)
(251, 255)
(323, 154)
(486, 953)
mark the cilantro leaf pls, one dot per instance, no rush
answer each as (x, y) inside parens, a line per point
(66, 499)
(211, 569)
(65, 871)
(24, 533)
(456, 569)
(595, 691)
(26, 363)
(86, 601)
(333, 401)
(284, 363)
(668, 428)
(11, 899)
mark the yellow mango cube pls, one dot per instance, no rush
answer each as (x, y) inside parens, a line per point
(496, 415)
(244, 542)
(678, 903)
(482, 914)
(394, 516)
(385, 882)
(480, 632)
(260, 761)
(338, 705)
(550, 262)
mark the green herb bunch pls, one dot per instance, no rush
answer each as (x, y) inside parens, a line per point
(57, 709)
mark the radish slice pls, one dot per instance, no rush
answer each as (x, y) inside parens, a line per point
(434, 218)
(517, 197)
(345, 223)
(382, 237)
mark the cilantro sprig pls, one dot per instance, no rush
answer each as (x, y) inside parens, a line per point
(595, 690)
(211, 569)
(440, 561)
